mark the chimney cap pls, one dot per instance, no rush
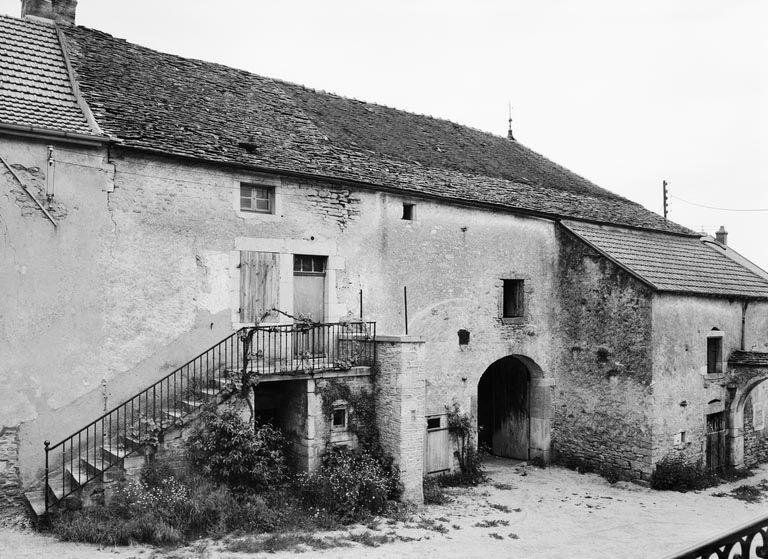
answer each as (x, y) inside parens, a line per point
(721, 236)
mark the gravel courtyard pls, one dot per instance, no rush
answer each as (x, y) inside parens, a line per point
(521, 511)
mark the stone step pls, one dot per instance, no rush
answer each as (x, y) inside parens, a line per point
(60, 485)
(192, 405)
(114, 453)
(36, 502)
(79, 475)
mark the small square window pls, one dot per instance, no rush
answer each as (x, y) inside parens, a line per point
(513, 299)
(433, 423)
(339, 418)
(714, 356)
(256, 198)
(409, 212)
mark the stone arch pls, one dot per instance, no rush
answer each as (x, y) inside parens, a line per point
(514, 408)
(736, 418)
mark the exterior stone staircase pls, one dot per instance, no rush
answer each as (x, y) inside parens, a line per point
(113, 446)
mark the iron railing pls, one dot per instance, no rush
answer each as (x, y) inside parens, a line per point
(748, 541)
(261, 350)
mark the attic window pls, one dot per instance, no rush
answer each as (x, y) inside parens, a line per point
(257, 198)
(409, 212)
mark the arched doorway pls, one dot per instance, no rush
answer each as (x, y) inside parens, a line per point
(505, 421)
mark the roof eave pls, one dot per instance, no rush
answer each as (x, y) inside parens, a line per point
(52, 134)
(393, 190)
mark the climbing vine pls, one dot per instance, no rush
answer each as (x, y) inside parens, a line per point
(361, 411)
(461, 428)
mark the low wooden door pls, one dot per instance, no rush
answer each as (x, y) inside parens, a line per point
(259, 284)
(437, 447)
(716, 444)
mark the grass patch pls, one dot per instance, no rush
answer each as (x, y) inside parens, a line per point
(491, 523)
(495, 536)
(500, 508)
(283, 542)
(752, 494)
(369, 539)
(503, 486)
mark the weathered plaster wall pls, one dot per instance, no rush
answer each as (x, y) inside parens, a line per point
(138, 281)
(682, 389)
(603, 392)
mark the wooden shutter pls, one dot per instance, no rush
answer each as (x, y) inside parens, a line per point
(259, 284)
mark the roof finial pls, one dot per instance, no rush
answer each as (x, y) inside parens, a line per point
(509, 132)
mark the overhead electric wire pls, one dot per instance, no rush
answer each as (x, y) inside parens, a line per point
(719, 209)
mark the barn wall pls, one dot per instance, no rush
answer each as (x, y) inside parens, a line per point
(603, 396)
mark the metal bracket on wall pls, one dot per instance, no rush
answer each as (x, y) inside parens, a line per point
(24, 186)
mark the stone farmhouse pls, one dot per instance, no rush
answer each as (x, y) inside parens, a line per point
(152, 206)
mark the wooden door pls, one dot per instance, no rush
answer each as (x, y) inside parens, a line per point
(259, 284)
(504, 410)
(716, 443)
(437, 445)
(309, 302)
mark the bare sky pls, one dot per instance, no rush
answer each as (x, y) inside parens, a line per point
(623, 93)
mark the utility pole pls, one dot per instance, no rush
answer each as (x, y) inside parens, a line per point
(664, 186)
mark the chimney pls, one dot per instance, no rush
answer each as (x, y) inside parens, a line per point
(722, 235)
(60, 11)
(37, 8)
(64, 11)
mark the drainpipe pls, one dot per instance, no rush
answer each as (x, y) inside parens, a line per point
(744, 306)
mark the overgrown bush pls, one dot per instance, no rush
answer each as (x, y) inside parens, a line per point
(229, 450)
(349, 484)
(673, 473)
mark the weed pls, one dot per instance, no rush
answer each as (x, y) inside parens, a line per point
(434, 493)
(283, 542)
(513, 536)
(491, 523)
(370, 540)
(495, 536)
(503, 486)
(429, 524)
(674, 473)
(500, 508)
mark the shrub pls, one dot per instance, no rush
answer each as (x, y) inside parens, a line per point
(229, 450)
(461, 427)
(349, 484)
(674, 473)
(433, 492)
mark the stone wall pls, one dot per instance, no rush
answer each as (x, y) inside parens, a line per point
(11, 508)
(755, 431)
(603, 397)
(400, 408)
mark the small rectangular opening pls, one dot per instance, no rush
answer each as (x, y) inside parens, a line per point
(513, 299)
(714, 356)
(433, 423)
(409, 212)
(339, 418)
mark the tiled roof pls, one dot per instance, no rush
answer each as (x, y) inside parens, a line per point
(35, 88)
(177, 106)
(748, 359)
(673, 262)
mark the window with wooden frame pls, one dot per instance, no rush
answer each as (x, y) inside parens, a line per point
(513, 298)
(714, 355)
(257, 198)
(309, 264)
(259, 285)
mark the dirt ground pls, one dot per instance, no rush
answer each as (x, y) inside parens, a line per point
(522, 512)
